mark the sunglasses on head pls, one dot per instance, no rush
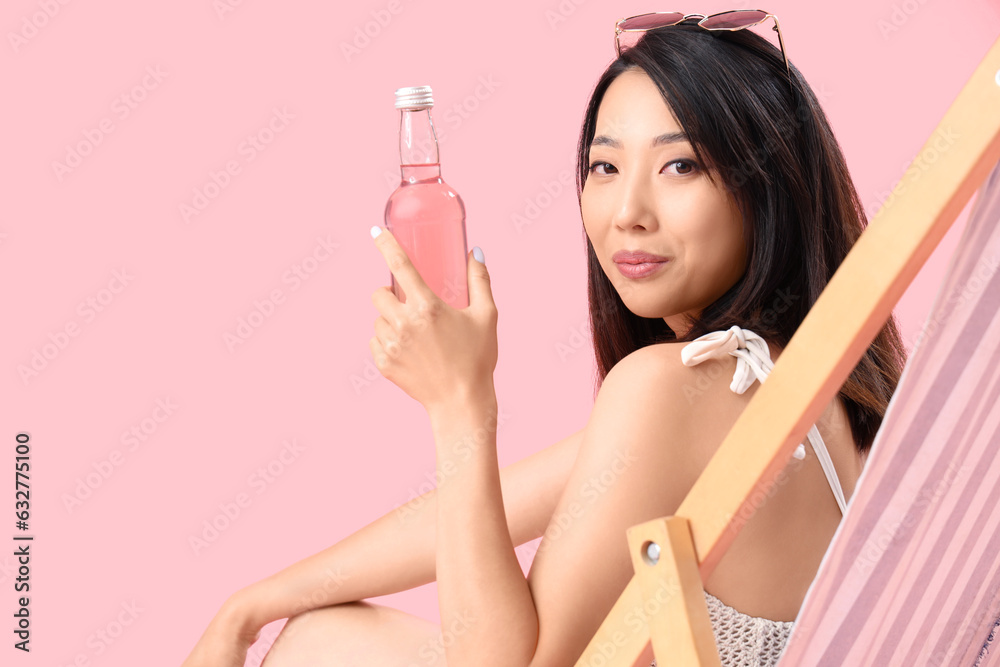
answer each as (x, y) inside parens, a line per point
(627, 30)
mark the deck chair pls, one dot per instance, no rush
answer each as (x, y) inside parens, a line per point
(912, 574)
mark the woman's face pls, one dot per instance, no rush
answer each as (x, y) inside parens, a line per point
(656, 199)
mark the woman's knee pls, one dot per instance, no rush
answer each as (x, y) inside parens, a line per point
(356, 633)
(316, 634)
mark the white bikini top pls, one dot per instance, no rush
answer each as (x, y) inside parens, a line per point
(753, 362)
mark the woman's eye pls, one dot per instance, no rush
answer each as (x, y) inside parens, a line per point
(684, 167)
(594, 165)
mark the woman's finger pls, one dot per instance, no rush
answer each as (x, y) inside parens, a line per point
(378, 354)
(388, 305)
(387, 337)
(399, 263)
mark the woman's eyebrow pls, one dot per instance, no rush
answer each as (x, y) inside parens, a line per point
(665, 138)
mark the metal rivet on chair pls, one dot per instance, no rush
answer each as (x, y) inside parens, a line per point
(652, 553)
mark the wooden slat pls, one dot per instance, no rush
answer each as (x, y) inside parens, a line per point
(673, 594)
(664, 602)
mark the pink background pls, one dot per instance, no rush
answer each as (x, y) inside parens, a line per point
(885, 71)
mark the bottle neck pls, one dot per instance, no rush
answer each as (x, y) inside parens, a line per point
(418, 149)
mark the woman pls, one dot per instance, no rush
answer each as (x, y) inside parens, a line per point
(716, 205)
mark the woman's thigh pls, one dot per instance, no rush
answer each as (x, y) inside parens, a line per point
(357, 634)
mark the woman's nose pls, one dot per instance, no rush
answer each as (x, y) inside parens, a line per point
(635, 209)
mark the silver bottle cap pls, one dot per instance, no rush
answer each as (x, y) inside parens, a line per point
(415, 97)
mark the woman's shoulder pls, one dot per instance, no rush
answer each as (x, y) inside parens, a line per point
(652, 378)
(664, 362)
(673, 416)
(655, 357)
(656, 380)
(696, 396)
(653, 366)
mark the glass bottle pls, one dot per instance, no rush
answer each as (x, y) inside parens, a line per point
(424, 213)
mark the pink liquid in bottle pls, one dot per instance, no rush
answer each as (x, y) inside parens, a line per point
(424, 213)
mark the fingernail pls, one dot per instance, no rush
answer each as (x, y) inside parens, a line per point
(477, 254)
(376, 230)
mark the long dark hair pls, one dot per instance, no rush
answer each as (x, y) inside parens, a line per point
(774, 150)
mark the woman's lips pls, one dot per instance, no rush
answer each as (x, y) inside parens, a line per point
(638, 263)
(636, 257)
(639, 270)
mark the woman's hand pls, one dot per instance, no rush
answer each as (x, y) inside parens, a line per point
(224, 643)
(430, 350)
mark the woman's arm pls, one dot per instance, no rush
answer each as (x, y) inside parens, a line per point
(635, 463)
(397, 551)
(483, 595)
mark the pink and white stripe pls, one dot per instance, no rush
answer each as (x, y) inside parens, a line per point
(912, 576)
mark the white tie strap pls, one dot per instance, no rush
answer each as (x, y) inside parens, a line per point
(753, 362)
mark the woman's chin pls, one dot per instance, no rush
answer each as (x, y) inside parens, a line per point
(647, 310)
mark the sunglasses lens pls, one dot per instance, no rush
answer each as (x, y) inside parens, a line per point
(633, 28)
(647, 21)
(731, 20)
